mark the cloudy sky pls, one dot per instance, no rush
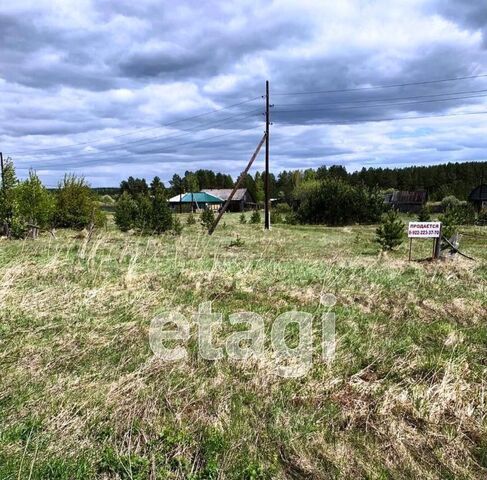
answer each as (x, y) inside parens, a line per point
(111, 88)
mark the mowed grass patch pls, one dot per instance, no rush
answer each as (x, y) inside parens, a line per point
(82, 395)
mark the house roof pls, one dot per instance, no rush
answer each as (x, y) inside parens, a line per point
(224, 193)
(195, 197)
(479, 193)
(404, 197)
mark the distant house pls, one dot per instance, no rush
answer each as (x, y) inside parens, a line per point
(405, 201)
(193, 201)
(478, 197)
(241, 200)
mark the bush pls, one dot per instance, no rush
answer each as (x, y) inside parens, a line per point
(460, 214)
(390, 232)
(125, 212)
(143, 214)
(276, 217)
(190, 220)
(291, 218)
(207, 218)
(449, 201)
(34, 204)
(334, 202)
(177, 226)
(424, 215)
(282, 208)
(76, 204)
(243, 219)
(255, 217)
(7, 196)
(482, 217)
(161, 216)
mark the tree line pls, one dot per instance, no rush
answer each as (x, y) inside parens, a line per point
(457, 179)
(327, 195)
(26, 206)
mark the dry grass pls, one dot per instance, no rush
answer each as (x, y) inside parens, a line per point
(81, 395)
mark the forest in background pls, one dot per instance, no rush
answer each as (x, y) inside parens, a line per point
(456, 179)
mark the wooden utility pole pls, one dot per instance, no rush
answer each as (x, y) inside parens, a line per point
(267, 219)
(237, 184)
(1, 166)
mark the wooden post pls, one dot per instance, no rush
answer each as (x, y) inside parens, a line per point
(267, 215)
(237, 184)
(1, 166)
(410, 247)
(437, 251)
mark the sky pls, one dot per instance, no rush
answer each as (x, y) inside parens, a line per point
(112, 88)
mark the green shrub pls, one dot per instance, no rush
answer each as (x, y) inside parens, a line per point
(34, 203)
(335, 202)
(424, 214)
(449, 201)
(7, 196)
(276, 217)
(177, 226)
(207, 218)
(255, 217)
(291, 218)
(143, 215)
(390, 232)
(190, 220)
(125, 212)
(76, 204)
(282, 208)
(161, 215)
(460, 214)
(482, 217)
(243, 219)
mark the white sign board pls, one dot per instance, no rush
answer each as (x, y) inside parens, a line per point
(424, 229)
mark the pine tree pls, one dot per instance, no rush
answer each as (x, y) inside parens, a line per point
(390, 232)
(161, 216)
(125, 212)
(424, 215)
(243, 219)
(156, 186)
(255, 217)
(207, 218)
(190, 220)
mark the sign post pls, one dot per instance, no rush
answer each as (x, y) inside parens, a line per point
(425, 230)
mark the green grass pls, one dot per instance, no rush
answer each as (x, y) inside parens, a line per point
(81, 395)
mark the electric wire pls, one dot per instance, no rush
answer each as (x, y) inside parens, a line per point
(377, 87)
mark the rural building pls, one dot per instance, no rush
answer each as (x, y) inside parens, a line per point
(478, 197)
(241, 200)
(405, 201)
(194, 201)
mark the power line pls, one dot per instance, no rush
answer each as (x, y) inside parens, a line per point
(379, 99)
(142, 130)
(130, 154)
(385, 104)
(121, 146)
(376, 87)
(390, 119)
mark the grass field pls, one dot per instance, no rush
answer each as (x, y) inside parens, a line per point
(82, 396)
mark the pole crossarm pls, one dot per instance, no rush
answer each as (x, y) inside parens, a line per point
(237, 185)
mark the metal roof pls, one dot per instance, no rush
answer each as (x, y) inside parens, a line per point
(418, 197)
(195, 197)
(224, 193)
